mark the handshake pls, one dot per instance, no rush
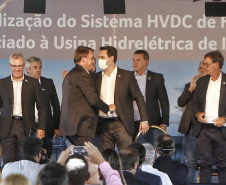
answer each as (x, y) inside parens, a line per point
(112, 108)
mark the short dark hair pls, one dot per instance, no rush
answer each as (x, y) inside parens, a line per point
(111, 51)
(216, 56)
(129, 156)
(145, 53)
(77, 168)
(141, 150)
(165, 145)
(31, 146)
(81, 51)
(53, 173)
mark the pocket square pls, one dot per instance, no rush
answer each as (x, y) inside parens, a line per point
(43, 89)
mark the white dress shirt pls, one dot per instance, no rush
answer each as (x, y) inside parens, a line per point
(108, 91)
(141, 80)
(212, 99)
(17, 104)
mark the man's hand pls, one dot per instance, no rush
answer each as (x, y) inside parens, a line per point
(40, 133)
(64, 73)
(219, 122)
(94, 154)
(112, 108)
(64, 155)
(144, 127)
(193, 83)
(163, 127)
(56, 133)
(200, 117)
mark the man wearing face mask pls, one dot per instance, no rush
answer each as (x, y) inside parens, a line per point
(119, 87)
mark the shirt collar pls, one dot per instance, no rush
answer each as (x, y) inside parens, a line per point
(114, 72)
(15, 80)
(136, 74)
(219, 77)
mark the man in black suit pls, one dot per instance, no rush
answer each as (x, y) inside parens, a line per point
(209, 107)
(130, 159)
(165, 148)
(18, 95)
(78, 117)
(187, 122)
(34, 69)
(154, 91)
(119, 87)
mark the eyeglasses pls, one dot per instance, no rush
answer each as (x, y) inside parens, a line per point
(207, 64)
(17, 66)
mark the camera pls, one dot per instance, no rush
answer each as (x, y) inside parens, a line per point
(78, 150)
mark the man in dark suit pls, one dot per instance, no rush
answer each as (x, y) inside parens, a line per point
(78, 117)
(18, 95)
(165, 148)
(209, 107)
(130, 159)
(34, 69)
(119, 87)
(187, 122)
(153, 89)
(140, 174)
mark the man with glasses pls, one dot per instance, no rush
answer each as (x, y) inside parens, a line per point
(18, 95)
(209, 108)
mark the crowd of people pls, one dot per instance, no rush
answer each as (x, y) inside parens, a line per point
(112, 105)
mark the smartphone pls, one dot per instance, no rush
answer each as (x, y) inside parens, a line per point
(78, 150)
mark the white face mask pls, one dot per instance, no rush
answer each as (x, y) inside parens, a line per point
(102, 64)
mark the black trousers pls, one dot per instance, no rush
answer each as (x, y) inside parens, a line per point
(11, 146)
(211, 145)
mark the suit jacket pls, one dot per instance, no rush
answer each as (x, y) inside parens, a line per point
(79, 99)
(199, 101)
(155, 94)
(187, 120)
(149, 178)
(132, 180)
(126, 90)
(31, 94)
(176, 171)
(52, 105)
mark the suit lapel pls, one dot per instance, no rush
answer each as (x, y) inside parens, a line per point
(98, 82)
(43, 84)
(24, 87)
(118, 80)
(148, 83)
(10, 87)
(223, 89)
(204, 89)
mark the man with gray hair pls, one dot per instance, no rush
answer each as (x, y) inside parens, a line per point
(147, 165)
(34, 69)
(18, 95)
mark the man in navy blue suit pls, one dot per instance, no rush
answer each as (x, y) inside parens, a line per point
(142, 175)
(130, 160)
